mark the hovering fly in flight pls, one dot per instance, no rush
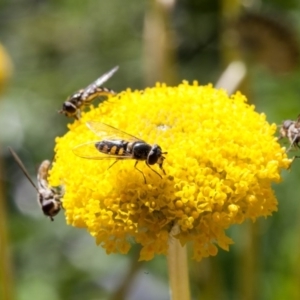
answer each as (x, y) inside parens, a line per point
(72, 106)
(48, 198)
(119, 145)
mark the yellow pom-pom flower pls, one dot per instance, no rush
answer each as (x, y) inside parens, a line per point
(222, 158)
(5, 67)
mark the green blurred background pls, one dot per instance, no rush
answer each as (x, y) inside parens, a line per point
(58, 47)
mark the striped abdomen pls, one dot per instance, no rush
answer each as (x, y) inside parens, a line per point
(138, 150)
(94, 92)
(114, 147)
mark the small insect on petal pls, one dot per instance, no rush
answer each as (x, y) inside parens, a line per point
(291, 130)
(48, 197)
(73, 105)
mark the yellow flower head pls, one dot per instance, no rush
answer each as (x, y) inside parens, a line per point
(222, 158)
(5, 67)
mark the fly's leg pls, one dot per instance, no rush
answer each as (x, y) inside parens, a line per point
(140, 171)
(154, 170)
(112, 164)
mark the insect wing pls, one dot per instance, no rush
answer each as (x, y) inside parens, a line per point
(43, 174)
(88, 150)
(106, 76)
(107, 132)
(98, 82)
(22, 167)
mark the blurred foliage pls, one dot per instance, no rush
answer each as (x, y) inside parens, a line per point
(58, 47)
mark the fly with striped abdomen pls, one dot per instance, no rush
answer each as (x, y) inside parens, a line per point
(119, 145)
(84, 97)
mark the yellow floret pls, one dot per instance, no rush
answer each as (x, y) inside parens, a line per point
(222, 158)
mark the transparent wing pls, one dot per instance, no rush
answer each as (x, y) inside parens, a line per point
(106, 76)
(99, 81)
(88, 150)
(22, 167)
(107, 132)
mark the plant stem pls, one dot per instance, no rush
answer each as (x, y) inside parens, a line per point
(178, 271)
(160, 61)
(6, 277)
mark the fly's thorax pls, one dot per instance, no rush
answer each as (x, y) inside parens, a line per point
(45, 194)
(75, 98)
(140, 150)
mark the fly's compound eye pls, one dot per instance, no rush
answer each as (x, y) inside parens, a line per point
(154, 155)
(69, 107)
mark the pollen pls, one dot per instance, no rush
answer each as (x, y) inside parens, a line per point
(222, 158)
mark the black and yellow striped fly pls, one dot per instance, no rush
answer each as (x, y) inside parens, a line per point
(72, 106)
(119, 145)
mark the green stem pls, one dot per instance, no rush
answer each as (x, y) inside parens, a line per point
(6, 277)
(135, 266)
(178, 271)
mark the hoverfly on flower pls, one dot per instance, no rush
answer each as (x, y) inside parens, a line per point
(119, 145)
(49, 198)
(291, 130)
(72, 106)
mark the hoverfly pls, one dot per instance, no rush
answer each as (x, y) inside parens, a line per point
(71, 107)
(119, 145)
(291, 130)
(47, 197)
